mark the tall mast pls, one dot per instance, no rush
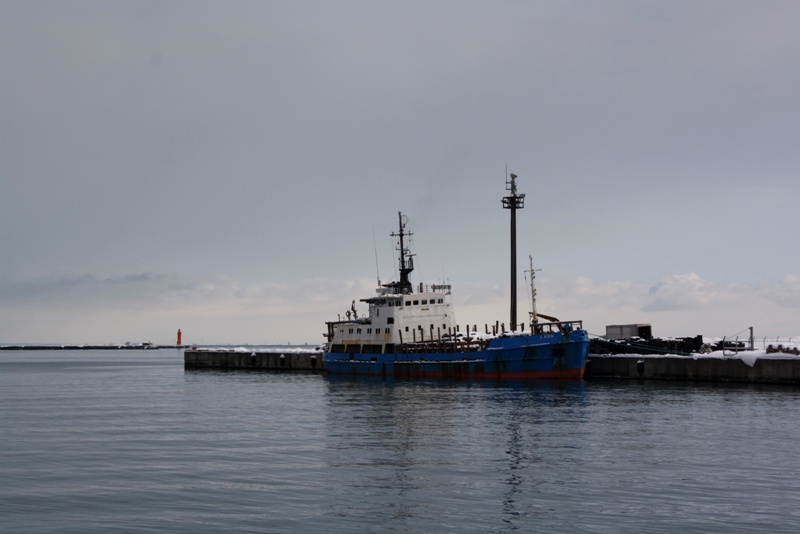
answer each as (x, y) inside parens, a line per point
(513, 202)
(406, 259)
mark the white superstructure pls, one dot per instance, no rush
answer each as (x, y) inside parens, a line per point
(396, 318)
(397, 315)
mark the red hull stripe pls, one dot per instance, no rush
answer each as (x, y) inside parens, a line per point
(566, 374)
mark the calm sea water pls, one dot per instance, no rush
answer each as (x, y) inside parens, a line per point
(94, 441)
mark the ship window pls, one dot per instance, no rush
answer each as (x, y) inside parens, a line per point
(351, 331)
(369, 330)
(424, 302)
(416, 302)
(406, 329)
(390, 320)
(440, 301)
(358, 330)
(444, 326)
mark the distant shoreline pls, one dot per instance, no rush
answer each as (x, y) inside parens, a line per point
(144, 346)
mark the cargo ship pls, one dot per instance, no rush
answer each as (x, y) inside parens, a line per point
(410, 331)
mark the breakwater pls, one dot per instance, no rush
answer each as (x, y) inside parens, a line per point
(763, 369)
(254, 360)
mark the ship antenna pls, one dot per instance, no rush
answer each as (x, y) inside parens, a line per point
(375, 244)
(513, 202)
(534, 315)
(406, 261)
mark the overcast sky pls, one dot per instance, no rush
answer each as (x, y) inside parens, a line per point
(233, 169)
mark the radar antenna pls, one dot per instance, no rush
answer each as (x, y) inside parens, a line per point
(406, 259)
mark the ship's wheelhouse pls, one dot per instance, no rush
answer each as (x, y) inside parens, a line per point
(394, 319)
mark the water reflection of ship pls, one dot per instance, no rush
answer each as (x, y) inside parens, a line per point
(411, 436)
(411, 429)
(525, 454)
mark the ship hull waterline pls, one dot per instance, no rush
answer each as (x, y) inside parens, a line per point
(537, 357)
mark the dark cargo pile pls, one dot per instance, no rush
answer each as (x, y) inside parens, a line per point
(681, 345)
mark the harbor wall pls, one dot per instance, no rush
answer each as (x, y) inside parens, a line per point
(264, 361)
(767, 370)
(764, 369)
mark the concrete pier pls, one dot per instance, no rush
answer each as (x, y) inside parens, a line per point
(764, 369)
(263, 361)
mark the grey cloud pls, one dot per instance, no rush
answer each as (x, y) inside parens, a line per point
(160, 290)
(263, 141)
(11, 290)
(679, 292)
(786, 292)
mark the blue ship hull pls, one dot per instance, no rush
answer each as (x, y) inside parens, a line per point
(556, 356)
